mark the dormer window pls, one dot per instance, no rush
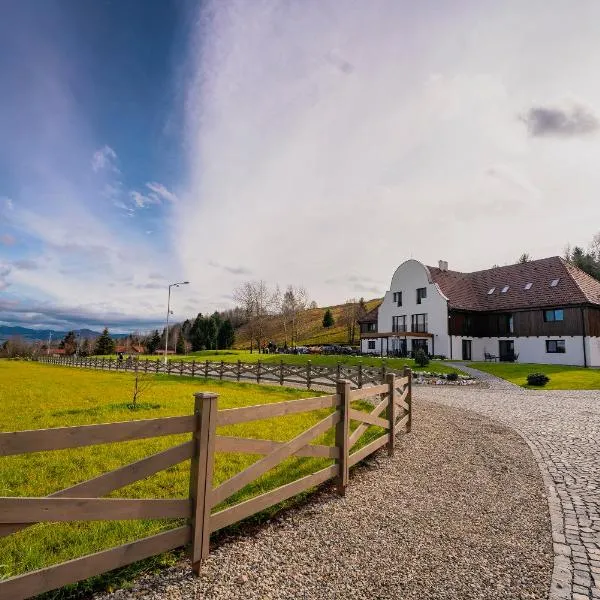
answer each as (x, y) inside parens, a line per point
(554, 282)
(421, 293)
(505, 289)
(528, 286)
(491, 291)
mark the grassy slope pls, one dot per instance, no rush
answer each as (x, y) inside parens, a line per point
(312, 331)
(36, 396)
(301, 359)
(561, 377)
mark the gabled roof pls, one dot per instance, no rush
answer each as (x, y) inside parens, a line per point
(371, 316)
(471, 291)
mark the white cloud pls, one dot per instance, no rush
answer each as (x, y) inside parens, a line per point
(104, 158)
(162, 191)
(379, 132)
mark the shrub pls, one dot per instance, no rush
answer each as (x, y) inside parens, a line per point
(538, 379)
(421, 358)
(452, 376)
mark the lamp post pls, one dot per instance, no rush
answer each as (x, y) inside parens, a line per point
(168, 313)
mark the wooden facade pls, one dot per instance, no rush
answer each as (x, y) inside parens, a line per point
(577, 320)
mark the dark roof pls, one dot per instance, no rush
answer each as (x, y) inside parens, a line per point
(470, 291)
(371, 316)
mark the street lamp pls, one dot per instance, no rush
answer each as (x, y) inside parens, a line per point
(168, 313)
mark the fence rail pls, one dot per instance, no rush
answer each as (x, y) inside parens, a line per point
(308, 375)
(392, 412)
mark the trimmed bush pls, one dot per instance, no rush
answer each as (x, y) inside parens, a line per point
(538, 379)
(421, 358)
(452, 376)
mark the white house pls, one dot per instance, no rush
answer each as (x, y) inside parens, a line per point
(544, 311)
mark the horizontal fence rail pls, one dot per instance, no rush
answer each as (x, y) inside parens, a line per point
(307, 375)
(392, 409)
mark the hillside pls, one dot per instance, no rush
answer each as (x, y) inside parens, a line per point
(41, 335)
(311, 331)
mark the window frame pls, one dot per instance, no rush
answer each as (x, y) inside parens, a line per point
(421, 294)
(414, 323)
(371, 345)
(397, 298)
(553, 311)
(396, 324)
(558, 349)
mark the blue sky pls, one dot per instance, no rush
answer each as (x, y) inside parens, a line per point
(318, 143)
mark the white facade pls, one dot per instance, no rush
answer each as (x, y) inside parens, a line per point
(411, 276)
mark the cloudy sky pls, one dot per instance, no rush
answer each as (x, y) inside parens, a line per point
(318, 143)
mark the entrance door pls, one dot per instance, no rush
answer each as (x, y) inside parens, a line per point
(506, 350)
(466, 349)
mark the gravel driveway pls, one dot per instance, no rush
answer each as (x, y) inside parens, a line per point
(563, 430)
(459, 513)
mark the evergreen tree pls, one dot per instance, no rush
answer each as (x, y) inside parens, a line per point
(180, 347)
(153, 344)
(198, 334)
(524, 258)
(328, 319)
(105, 344)
(85, 348)
(226, 335)
(212, 329)
(69, 343)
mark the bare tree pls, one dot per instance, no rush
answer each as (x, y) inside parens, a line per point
(141, 384)
(351, 311)
(292, 308)
(258, 303)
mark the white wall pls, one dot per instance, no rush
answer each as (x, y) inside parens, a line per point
(532, 349)
(593, 351)
(409, 276)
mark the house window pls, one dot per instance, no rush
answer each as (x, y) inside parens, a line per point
(421, 293)
(398, 298)
(399, 324)
(372, 327)
(371, 344)
(528, 286)
(555, 346)
(554, 314)
(467, 325)
(419, 323)
(491, 291)
(554, 282)
(505, 289)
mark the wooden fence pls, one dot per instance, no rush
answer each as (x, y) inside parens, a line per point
(308, 375)
(84, 502)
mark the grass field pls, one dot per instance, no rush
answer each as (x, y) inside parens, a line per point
(561, 377)
(36, 396)
(329, 360)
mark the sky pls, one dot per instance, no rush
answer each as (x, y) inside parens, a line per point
(309, 142)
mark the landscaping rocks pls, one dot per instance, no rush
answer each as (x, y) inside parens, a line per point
(458, 513)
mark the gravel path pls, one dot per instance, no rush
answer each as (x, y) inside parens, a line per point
(563, 430)
(459, 513)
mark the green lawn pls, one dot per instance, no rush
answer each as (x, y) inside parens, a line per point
(36, 396)
(561, 377)
(330, 360)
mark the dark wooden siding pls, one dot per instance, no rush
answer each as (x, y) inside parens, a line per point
(592, 321)
(525, 323)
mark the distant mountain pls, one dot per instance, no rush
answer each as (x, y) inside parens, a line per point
(34, 335)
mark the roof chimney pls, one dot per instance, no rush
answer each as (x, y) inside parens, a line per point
(443, 265)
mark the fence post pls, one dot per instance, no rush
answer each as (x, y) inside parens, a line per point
(308, 373)
(390, 379)
(342, 434)
(408, 373)
(281, 372)
(383, 371)
(221, 369)
(258, 371)
(181, 367)
(360, 375)
(206, 369)
(239, 369)
(201, 475)
(339, 371)
(193, 367)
